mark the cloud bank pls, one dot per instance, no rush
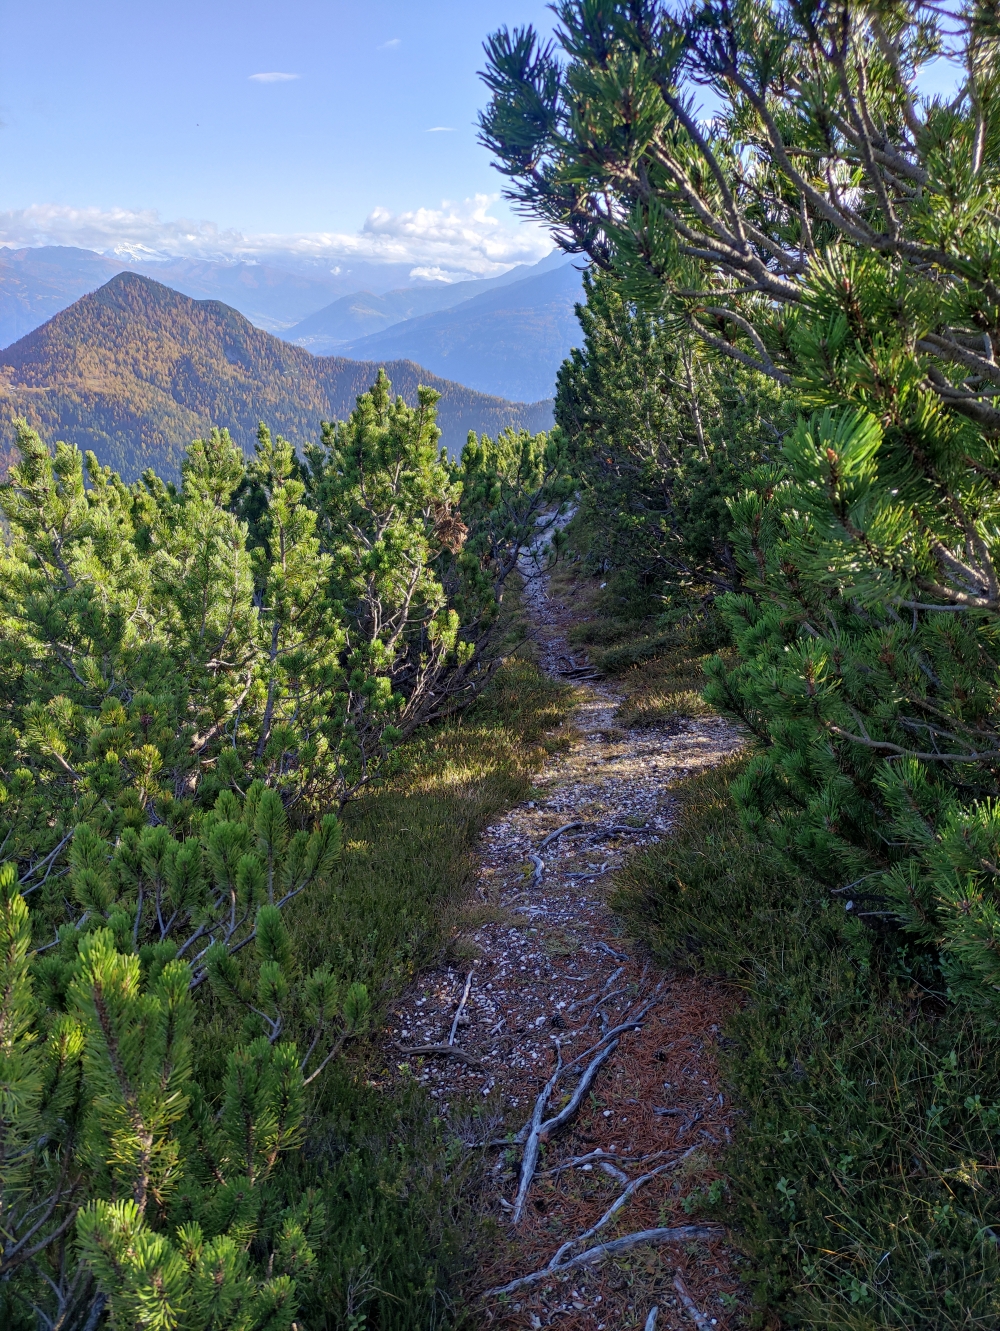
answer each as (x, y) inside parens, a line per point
(454, 241)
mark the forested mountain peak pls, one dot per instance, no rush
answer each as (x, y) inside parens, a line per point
(135, 370)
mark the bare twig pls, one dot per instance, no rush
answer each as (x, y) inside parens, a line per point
(461, 1006)
(441, 1051)
(536, 877)
(690, 1307)
(675, 1234)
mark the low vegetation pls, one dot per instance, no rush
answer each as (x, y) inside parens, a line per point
(399, 1188)
(197, 680)
(863, 1182)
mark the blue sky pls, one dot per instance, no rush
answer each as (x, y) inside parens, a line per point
(124, 119)
(143, 125)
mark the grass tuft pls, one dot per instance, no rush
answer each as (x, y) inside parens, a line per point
(864, 1183)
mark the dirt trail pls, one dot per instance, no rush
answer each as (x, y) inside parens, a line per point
(551, 978)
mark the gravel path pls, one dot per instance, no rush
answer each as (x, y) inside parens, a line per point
(550, 975)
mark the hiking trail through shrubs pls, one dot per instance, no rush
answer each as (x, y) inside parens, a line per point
(542, 991)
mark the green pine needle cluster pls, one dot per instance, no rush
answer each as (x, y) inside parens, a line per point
(197, 679)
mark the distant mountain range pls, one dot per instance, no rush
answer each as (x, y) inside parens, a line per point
(37, 283)
(510, 340)
(365, 312)
(135, 371)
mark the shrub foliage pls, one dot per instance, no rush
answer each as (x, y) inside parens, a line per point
(197, 679)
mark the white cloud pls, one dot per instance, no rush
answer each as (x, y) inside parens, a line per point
(273, 77)
(391, 44)
(455, 241)
(440, 129)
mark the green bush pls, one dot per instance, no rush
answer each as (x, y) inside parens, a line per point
(195, 678)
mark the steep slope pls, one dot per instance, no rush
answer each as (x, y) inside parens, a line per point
(365, 312)
(135, 371)
(509, 341)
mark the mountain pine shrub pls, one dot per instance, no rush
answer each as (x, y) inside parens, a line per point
(195, 678)
(836, 233)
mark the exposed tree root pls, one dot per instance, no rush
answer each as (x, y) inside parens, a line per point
(690, 1307)
(613, 1248)
(461, 1007)
(554, 836)
(440, 1051)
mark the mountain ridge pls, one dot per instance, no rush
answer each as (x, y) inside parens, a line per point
(363, 313)
(135, 370)
(36, 282)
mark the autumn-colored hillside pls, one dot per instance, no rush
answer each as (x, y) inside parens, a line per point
(135, 371)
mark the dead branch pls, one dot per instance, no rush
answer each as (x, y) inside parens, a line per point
(554, 836)
(596, 1155)
(530, 1157)
(690, 1307)
(630, 1024)
(617, 993)
(461, 1006)
(675, 1234)
(612, 977)
(617, 1205)
(616, 828)
(537, 1129)
(536, 877)
(441, 1051)
(582, 1086)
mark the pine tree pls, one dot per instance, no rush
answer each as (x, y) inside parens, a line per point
(194, 677)
(835, 233)
(419, 599)
(659, 441)
(103, 1120)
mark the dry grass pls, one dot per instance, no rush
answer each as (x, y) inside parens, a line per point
(663, 689)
